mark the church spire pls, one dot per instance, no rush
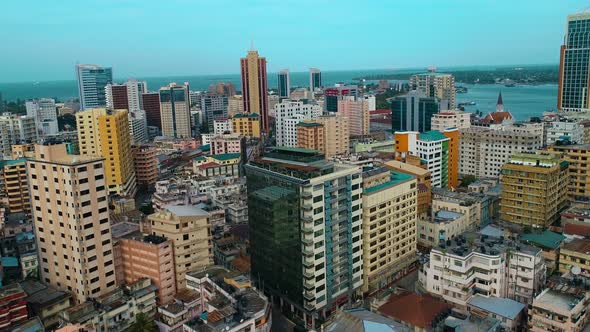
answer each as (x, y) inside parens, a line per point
(500, 103)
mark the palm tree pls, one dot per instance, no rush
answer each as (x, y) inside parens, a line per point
(143, 324)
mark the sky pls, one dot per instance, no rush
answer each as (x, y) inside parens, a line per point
(43, 40)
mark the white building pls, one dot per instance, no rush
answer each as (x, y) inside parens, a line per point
(92, 80)
(451, 119)
(15, 129)
(371, 102)
(483, 150)
(474, 264)
(288, 114)
(44, 111)
(138, 127)
(222, 126)
(557, 130)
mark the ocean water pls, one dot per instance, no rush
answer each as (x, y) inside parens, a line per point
(523, 101)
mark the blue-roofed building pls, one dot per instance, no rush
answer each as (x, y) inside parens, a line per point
(363, 320)
(509, 312)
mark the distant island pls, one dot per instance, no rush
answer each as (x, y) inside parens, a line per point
(542, 74)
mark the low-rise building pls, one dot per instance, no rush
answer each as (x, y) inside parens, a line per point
(558, 310)
(575, 254)
(510, 313)
(114, 311)
(14, 185)
(217, 165)
(45, 302)
(417, 312)
(13, 306)
(228, 143)
(444, 225)
(549, 242)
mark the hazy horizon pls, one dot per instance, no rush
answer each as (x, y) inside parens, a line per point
(44, 40)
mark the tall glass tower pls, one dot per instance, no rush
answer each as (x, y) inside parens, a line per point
(284, 84)
(92, 80)
(315, 79)
(573, 94)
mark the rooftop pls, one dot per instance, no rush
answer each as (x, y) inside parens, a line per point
(363, 320)
(226, 156)
(469, 242)
(295, 150)
(186, 210)
(414, 309)
(431, 136)
(497, 305)
(246, 115)
(446, 216)
(121, 229)
(395, 179)
(407, 168)
(556, 299)
(576, 229)
(578, 245)
(547, 239)
(309, 124)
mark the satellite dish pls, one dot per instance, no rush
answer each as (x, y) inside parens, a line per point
(576, 270)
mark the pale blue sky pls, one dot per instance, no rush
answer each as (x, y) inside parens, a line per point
(43, 39)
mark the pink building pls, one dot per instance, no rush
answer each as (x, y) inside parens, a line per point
(228, 143)
(357, 113)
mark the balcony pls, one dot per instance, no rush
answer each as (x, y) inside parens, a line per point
(308, 262)
(308, 284)
(307, 207)
(308, 273)
(306, 194)
(307, 240)
(308, 295)
(307, 251)
(307, 229)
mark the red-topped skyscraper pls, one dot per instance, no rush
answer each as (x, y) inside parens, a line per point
(254, 86)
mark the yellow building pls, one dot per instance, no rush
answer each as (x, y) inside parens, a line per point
(14, 185)
(105, 133)
(189, 228)
(575, 253)
(533, 189)
(310, 135)
(246, 124)
(578, 158)
(389, 225)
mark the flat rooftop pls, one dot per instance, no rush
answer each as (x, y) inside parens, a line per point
(498, 305)
(446, 216)
(554, 299)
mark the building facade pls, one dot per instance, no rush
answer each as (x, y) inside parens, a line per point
(413, 112)
(389, 225)
(284, 84)
(105, 133)
(151, 106)
(175, 111)
(578, 188)
(15, 185)
(44, 111)
(248, 125)
(254, 87)
(534, 189)
(189, 229)
(305, 222)
(357, 112)
(310, 135)
(451, 119)
(145, 163)
(441, 86)
(70, 209)
(336, 135)
(574, 65)
(15, 130)
(92, 81)
(315, 79)
(287, 115)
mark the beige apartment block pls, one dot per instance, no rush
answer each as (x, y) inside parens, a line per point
(336, 135)
(310, 135)
(175, 111)
(555, 310)
(189, 228)
(70, 210)
(390, 202)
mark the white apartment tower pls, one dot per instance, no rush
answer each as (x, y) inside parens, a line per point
(288, 114)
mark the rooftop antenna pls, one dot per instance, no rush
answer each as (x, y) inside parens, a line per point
(251, 44)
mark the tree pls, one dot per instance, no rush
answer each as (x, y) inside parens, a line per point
(143, 324)
(467, 180)
(68, 120)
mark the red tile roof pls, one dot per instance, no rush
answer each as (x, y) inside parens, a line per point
(380, 111)
(413, 309)
(496, 117)
(574, 229)
(208, 165)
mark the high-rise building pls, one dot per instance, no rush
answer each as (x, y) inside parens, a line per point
(337, 93)
(14, 185)
(16, 129)
(254, 87)
(440, 86)
(71, 213)
(573, 93)
(336, 135)
(434, 150)
(138, 127)
(175, 111)
(189, 228)
(424, 183)
(146, 164)
(105, 133)
(357, 112)
(287, 115)
(151, 106)
(576, 156)
(305, 223)
(389, 225)
(315, 79)
(222, 88)
(214, 107)
(284, 84)
(310, 135)
(483, 150)
(247, 124)
(92, 80)
(534, 189)
(126, 96)
(413, 112)
(44, 111)
(454, 146)
(235, 105)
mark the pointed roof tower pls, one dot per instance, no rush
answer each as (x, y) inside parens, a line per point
(500, 103)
